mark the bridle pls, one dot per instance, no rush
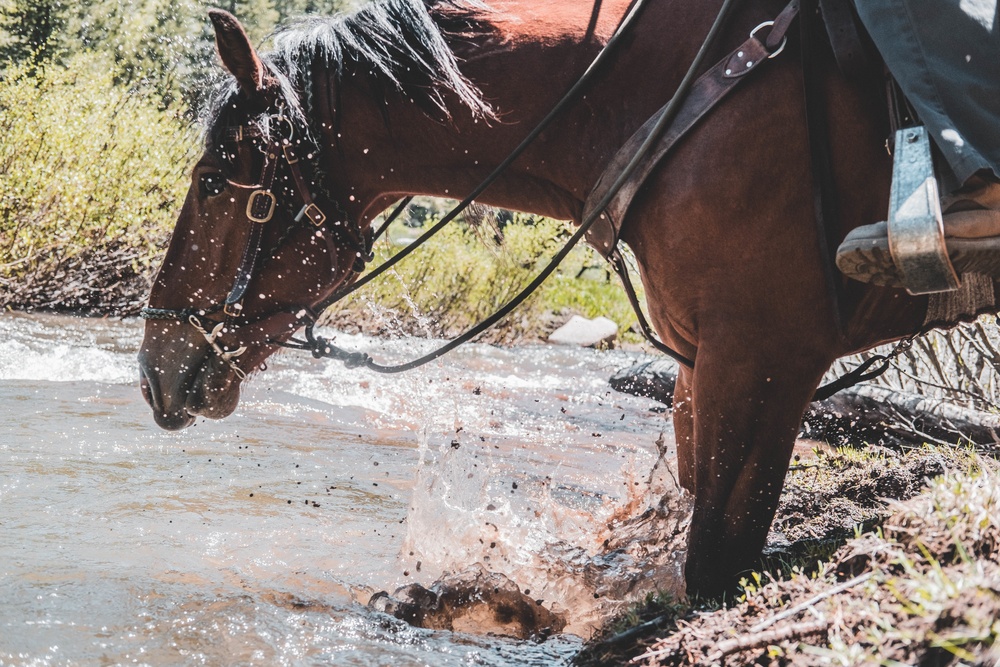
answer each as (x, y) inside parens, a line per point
(281, 150)
(262, 202)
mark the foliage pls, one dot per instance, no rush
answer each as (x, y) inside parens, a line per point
(29, 29)
(161, 45)
(85, 165)
(464, 274)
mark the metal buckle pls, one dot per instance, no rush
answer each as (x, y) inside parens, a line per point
(290, 156)
(280, 118)
(316, 215)
(260, 206)
(233, 309)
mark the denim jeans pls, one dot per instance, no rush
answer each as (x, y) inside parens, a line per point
(945, 54)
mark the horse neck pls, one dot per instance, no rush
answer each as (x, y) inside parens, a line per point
(385, 148)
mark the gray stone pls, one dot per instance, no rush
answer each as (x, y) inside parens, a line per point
(650, 379)
(585, 333)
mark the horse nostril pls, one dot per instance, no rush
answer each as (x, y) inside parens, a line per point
(149, 387)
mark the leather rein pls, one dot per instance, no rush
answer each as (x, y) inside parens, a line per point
(693, 99)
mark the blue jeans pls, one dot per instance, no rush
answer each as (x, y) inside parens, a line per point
(945, 54)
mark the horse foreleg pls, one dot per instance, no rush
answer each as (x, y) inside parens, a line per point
(684, 429)
(746, 412)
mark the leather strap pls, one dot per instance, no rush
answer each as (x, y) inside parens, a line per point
(826, 211)
(782, 22)
(706, 93)
(849, 48)
(260, 208)
(251, 249)
(312, 212)
(309, 210)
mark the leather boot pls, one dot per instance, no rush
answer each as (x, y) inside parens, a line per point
(972, 235)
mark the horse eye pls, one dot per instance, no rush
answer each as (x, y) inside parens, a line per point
(212, 185)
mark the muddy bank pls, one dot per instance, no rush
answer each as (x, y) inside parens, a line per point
(923, 590)
(109, 279)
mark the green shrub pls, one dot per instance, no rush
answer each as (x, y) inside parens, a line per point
(464, 274)
(88, 170)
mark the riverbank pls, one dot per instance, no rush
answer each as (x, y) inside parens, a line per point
(917, 585)
(458, 281)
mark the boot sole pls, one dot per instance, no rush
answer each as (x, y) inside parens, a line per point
(869, 260)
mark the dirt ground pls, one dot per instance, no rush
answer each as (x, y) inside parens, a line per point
(922, 587)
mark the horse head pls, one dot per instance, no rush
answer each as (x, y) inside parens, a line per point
(259, 240)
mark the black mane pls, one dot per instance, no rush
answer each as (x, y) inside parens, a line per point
(401, 43)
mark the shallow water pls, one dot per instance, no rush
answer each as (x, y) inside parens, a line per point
(258, 539)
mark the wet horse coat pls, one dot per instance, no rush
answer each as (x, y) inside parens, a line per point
(723, 230)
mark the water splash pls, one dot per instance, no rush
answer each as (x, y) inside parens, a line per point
(266, 530)
(584, 554)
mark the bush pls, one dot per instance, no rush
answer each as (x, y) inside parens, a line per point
(88, 171)
(465, 273)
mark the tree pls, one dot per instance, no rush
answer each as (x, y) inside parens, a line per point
(31, 29)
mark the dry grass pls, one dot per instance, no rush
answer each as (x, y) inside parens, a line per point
(924, 590)
(960, 366)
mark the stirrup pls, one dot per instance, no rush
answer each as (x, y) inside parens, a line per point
(915, 225)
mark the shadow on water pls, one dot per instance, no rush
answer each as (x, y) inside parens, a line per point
(258, 539)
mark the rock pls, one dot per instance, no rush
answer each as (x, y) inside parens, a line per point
(585, 333)
(651, 379)
(474, 601)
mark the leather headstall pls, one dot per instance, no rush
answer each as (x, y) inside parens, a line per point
(281, 152)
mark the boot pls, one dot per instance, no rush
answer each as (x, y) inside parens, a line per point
(972, 235)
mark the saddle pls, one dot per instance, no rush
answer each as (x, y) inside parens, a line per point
(853, 51)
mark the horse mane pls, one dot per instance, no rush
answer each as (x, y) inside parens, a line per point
(403, 44)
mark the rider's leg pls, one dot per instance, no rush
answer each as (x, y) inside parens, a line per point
(943, 53)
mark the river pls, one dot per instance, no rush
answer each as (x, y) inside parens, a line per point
(258, 539)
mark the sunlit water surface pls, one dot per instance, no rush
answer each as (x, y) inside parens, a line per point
(258, 539)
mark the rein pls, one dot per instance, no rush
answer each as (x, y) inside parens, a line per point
(262, 200)
(322, 347)
(653, 145)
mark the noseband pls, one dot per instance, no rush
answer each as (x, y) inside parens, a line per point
(280, 150)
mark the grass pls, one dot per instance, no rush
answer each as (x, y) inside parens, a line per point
(467, 272)
(920, 589)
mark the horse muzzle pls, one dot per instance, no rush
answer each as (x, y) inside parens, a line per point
(181, 379)
(164, 413)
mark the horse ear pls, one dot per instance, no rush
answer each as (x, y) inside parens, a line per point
(236, 51)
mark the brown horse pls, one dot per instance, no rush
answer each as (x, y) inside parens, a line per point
(427, 96)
